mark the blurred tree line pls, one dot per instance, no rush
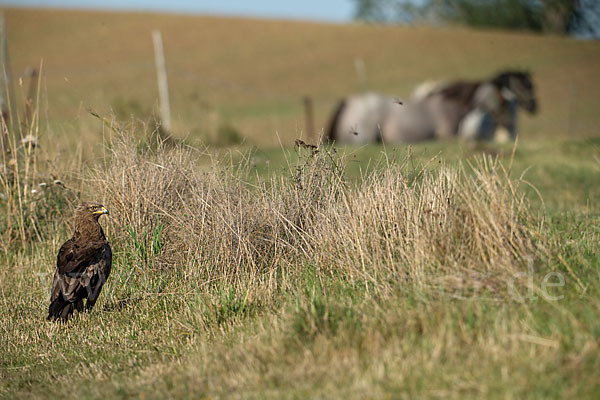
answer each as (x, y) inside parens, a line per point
(580, 17)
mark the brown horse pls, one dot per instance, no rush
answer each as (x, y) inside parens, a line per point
(495, 101)
(473, 110)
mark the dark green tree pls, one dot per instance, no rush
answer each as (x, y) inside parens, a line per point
(557, 16)
(388, 11)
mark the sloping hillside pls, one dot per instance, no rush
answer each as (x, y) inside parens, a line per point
(251, 74)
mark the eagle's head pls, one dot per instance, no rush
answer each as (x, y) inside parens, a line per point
(86, 223)
(88, 209)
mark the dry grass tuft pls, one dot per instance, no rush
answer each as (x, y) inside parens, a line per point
(466, 225)
(464, 229)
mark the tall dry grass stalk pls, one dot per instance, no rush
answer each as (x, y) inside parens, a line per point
(460, 228)
(30, 197)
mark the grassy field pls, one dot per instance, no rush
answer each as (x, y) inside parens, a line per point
(440, 270)
(251, 74)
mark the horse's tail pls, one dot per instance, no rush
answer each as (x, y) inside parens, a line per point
(334, 121)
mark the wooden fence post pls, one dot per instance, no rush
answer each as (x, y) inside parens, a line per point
(163, 88)
(361, 72)
(5, 86)
(309, 124)
(30, 105)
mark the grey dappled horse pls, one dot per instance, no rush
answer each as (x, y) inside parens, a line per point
(358, 118)
(471, 110)
(372, 117)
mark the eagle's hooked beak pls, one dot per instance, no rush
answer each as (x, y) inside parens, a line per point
(100, 211)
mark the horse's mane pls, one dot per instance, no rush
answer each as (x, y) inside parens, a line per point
(423, 90)
(460, 91)
(502, 79)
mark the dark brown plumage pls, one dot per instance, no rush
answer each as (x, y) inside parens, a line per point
(82, 266)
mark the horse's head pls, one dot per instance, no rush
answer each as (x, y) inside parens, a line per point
(520, 85)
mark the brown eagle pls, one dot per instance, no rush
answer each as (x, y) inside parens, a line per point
(82, 266)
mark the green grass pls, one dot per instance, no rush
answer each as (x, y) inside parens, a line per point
(563, 172)
(165, 330)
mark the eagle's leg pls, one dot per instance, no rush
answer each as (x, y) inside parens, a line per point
(66, 312)
(89, 304)
(94, 292)
(79, 305)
